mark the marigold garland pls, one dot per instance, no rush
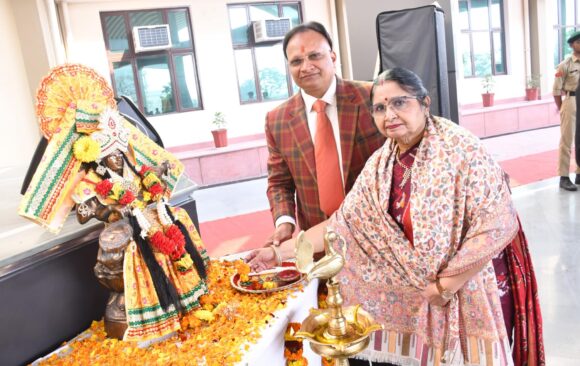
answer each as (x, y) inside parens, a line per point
(107, 189)
(104, 187)
(144, 169)
(293, 347)
(126, 198)
(171, 243)
(151, 181)
(156, 189)
(184, 264)
(238, 321)
(86, 149)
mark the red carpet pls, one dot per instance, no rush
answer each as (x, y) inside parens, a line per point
(244, 232)
(236, 234)
(531, 168)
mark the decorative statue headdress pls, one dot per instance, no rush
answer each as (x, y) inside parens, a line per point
(93, 151)
(77, 114)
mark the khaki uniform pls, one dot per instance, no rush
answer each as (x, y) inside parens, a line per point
(566, 81)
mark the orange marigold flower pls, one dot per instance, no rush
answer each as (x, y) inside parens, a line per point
(222, 342)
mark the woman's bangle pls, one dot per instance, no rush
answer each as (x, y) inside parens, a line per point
(443, 292)
(277, 254)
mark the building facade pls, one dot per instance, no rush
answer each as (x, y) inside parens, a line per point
(217, 63)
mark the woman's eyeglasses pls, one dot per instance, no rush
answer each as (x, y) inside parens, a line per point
(397, 104)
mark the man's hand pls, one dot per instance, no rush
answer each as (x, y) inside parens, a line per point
(558, 101)
(282, 233)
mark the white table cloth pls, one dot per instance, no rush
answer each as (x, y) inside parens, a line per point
(269, 350)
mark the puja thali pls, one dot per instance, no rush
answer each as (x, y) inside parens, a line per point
(272, 280)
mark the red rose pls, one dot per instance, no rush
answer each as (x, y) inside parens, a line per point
(177, 253)
(104, 187)
(144, 169)
(173, 231)
(156, 189)
(127, 198)
(162, 243)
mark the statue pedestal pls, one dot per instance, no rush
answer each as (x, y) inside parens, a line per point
(109, 271)
(115, 316)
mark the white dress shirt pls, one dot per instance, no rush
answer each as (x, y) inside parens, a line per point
(332, 112)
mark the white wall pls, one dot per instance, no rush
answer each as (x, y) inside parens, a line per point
(32, 38)
(20, 132)
(214, 55)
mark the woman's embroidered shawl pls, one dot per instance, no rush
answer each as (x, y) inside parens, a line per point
(462, 217)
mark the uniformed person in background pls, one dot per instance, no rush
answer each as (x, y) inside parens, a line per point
(577, 138)
(565, 83)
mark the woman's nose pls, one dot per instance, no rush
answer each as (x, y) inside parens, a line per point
(390, 114)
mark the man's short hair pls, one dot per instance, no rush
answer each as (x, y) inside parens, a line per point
(305, 27)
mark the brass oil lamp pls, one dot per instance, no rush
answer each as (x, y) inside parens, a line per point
(337, 332)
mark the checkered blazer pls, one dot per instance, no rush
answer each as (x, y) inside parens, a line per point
(292, 187)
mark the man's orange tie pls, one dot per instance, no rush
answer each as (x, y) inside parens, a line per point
(330, 190)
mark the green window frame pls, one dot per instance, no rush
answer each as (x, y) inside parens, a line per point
(261, 68)
(482, 37)
(567, 22)
(158, 81)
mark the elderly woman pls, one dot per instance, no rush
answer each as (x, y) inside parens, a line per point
(427, 215)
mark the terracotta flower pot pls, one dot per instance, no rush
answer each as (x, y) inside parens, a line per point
(220, 137)
(487, 99)
(532, 94)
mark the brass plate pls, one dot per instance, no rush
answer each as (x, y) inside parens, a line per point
(267, 276)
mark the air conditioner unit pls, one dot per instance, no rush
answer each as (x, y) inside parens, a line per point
(271, 29)
(151, 37)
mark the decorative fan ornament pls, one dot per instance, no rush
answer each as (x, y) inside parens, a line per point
(62, 89)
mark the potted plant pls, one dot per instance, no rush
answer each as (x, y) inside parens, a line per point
(533, 87)
(219, 132)
(166, 100)
(487, 84)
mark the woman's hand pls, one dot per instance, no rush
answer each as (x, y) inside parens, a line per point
(261, 259)
(432, 295)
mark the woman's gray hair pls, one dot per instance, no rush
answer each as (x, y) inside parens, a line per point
(406, 79)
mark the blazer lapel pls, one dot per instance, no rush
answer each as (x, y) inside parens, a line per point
(301, 133)
(348, 109)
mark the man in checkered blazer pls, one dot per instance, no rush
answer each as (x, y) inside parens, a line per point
(292, 185)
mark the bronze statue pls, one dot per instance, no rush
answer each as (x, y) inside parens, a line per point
(109, 271)
(114, 173)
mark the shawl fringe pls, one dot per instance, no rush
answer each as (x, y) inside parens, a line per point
(479, 351)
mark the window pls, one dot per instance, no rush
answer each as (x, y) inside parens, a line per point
(482, 37)
(158, 81)
(567, 22)
(261, 67)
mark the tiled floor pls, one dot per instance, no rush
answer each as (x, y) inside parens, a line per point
(550, 218)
